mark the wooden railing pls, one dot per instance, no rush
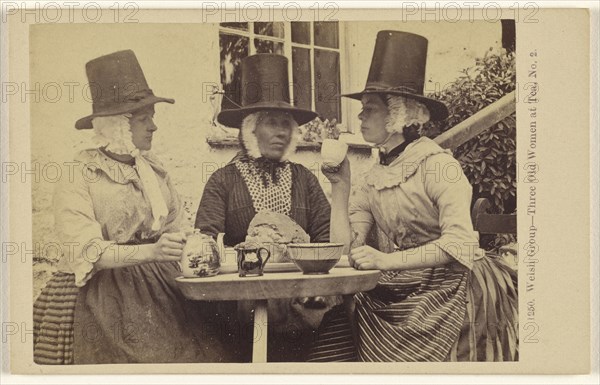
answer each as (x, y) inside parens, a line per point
(479, 122)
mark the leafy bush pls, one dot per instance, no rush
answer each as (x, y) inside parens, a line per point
(317, 130)
(489, 160)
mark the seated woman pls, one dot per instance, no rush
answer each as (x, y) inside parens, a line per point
(261, 177)
(439, 298)
(114, 298)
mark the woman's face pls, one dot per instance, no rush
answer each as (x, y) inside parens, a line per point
(373, 119)
(274, 130)
(142, 127)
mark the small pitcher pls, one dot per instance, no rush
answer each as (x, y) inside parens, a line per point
(251, 259)
(200, 256)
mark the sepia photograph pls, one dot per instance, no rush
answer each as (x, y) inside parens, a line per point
(276, 192)
(330, 190)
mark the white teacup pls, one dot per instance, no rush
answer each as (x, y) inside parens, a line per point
(333, 152)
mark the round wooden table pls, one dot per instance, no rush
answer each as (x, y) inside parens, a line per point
(227, 287)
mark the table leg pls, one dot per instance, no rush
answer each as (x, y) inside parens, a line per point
(261, 329)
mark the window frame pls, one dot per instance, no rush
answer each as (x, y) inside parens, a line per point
(344, 127)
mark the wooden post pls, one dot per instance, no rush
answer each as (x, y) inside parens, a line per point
(261, 329)
(479, 122)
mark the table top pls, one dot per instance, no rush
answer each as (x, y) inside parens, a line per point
(226, 287)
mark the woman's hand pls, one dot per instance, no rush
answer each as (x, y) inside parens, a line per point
(338, 174)
(368, 258)
(169, 247)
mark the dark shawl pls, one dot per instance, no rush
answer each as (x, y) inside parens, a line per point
(226, 204)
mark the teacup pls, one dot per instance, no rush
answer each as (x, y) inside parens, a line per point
(200, 256)
(333, 152)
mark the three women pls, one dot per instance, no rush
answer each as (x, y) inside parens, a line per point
(440, 297)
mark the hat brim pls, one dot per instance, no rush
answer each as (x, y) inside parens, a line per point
(233, 118)
(437, 109)
(86, 122)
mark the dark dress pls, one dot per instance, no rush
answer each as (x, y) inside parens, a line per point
(227, 207)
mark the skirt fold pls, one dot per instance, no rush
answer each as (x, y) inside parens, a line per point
(450, 316)
(53, 317)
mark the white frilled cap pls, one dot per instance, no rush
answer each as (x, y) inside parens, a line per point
(405, 112)
(250, 142)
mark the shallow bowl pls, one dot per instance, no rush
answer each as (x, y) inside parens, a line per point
(315, 258)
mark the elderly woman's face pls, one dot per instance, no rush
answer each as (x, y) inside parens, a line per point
(274, 130)
(142, 127)
(373, 119)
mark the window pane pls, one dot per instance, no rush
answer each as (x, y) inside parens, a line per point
(267, 46)
(301, 32)
(301, 73)
(327, 84)
(233, 49)
(242, 26)
(269, 29)
(326, 34)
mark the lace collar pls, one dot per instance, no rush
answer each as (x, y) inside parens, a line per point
(404, 166)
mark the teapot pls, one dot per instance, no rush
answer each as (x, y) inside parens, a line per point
(200, 256)
(251, 258)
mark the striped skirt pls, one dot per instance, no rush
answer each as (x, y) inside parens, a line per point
(53, 317)
(435, 314)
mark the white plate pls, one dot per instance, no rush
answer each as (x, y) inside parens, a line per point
(269, 268)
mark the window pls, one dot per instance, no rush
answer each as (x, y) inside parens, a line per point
(313, 50)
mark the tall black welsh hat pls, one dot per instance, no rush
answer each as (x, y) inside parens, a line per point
(265, 87)
(398, 68)
(118, 86)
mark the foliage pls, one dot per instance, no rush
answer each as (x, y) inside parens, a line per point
(489, 160)
(317, 130)
(233, 49)
(501, 240)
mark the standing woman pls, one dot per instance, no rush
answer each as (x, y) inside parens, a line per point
(114, 298)
(440, 298)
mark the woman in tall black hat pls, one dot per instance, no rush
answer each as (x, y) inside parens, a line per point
(262, 178)
(440, 297)
(114, 298)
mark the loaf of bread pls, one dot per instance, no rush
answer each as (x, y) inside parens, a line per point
(272, 230)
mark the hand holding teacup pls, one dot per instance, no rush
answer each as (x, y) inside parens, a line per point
(335, 164)
(333, 153)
